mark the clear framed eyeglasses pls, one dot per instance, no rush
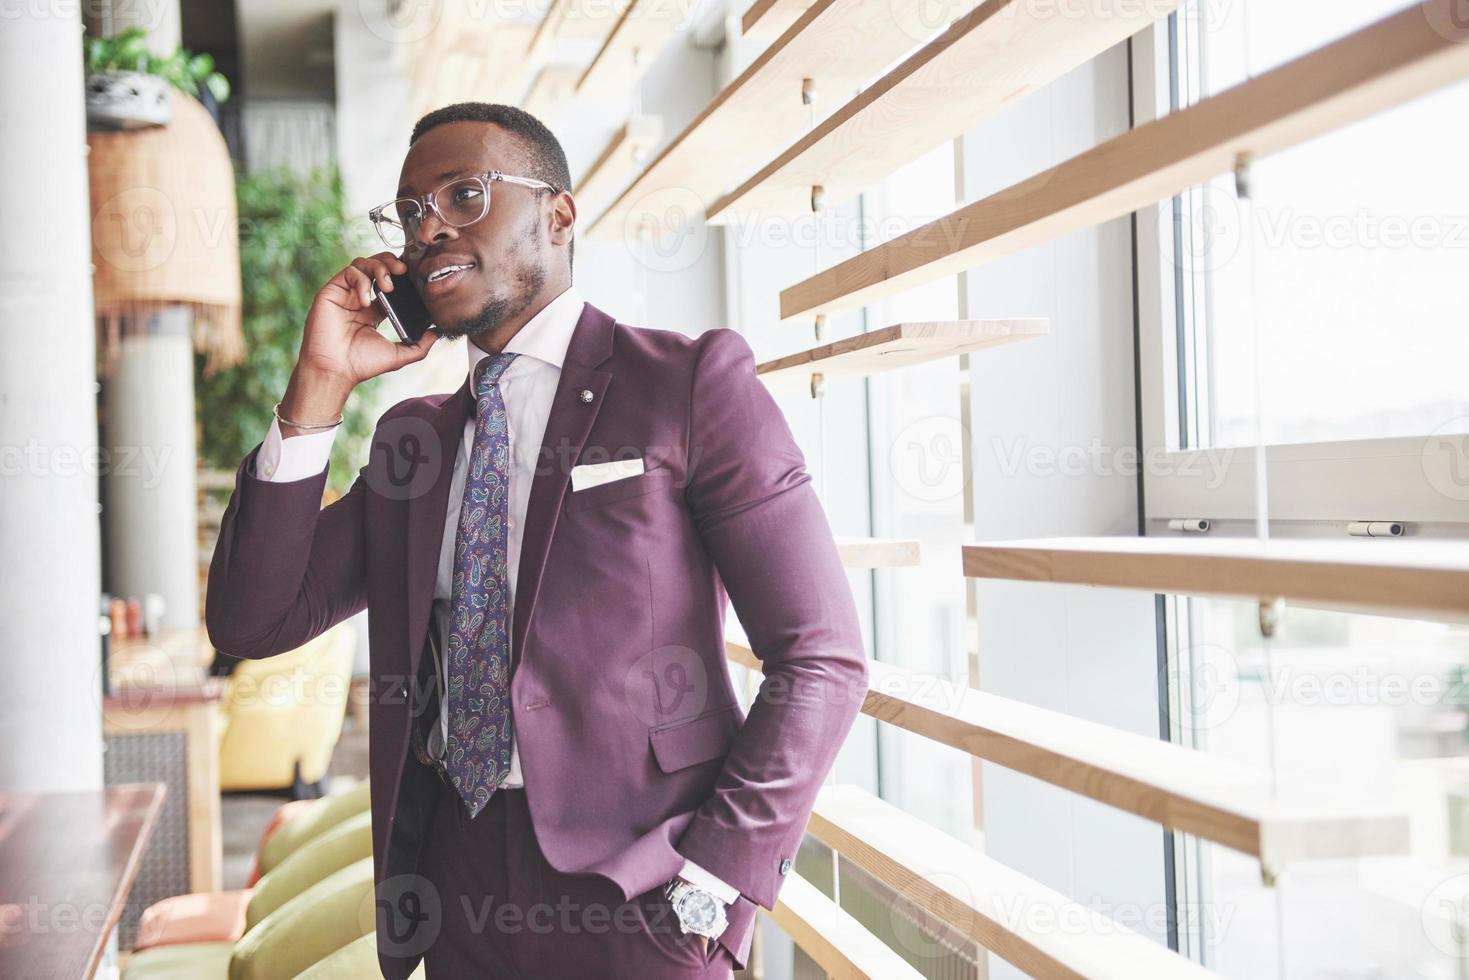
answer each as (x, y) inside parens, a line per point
(460, 202)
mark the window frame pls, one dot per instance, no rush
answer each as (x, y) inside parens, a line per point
(1313, 483)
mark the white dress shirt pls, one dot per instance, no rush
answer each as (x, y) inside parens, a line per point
(527, 386)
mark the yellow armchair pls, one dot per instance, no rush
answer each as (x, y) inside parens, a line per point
(310, 927)
(281, 717)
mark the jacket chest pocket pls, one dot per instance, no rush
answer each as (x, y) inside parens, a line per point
(624, 489)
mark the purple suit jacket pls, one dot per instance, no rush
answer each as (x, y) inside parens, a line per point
(635, 751)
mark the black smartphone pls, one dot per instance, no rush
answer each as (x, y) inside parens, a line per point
(404, 309)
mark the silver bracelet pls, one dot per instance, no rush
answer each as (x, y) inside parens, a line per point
(304, 425)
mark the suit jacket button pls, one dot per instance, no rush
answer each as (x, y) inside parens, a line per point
(785, 866)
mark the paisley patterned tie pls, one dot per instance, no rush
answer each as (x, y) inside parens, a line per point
(478, 757)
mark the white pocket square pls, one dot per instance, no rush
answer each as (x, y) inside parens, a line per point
(589, 475)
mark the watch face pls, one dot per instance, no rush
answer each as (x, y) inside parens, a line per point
(696, 909)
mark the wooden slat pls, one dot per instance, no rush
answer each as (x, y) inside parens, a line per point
(898, 346)
(767, 19)
(1428, 579)
(580, 19)
(1380, 66)
(640, 33)
(1039, 931)
(1182, 789)
(987, 60)
(837, 44)
(877, 552)
(838, 943)
(616, 164)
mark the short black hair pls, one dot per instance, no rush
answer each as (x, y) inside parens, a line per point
(545, 159)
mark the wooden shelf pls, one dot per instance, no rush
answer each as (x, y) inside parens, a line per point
(1181, 789)
(987, 60)
(640, 33)
(1039, 931)
(766, 19)
(1380, 66)
(578, 19)
(624, 154)
(1428, 579)
(838, 943)
(898, 346)
(877, 552)
(838, 45)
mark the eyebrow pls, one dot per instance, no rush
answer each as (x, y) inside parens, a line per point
(446, 175)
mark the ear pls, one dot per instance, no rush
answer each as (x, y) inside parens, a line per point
(562, 220)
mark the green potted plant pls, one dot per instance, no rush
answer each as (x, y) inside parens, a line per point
(127, 84)
(294, 236)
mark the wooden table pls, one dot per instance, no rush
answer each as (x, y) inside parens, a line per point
(67, 863)
(161, 723)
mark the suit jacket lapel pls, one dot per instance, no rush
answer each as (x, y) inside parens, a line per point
(567, 427)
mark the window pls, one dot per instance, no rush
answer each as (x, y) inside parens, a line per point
(1317, 325)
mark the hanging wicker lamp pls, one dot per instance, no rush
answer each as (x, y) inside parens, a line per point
(165, 233)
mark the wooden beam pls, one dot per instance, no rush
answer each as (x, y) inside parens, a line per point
(614, 167)
(766, 19)
(877, 552)
(1185, 790)
(1039, 931)
(839, 944)
(987, 60)
(1380, 66)
(898, 346)
(832, 49)
(582, 20)
(639, 34)
(1427, 579)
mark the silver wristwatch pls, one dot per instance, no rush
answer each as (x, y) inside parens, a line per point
(699, 910)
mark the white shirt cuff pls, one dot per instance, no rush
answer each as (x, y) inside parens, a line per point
(283, 460)
(693, 873)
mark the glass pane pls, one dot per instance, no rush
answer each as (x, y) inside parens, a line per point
(1350, 261)
(1371, 706)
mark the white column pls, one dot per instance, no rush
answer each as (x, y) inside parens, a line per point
(151, 520)
(50, 710)
(150, 489)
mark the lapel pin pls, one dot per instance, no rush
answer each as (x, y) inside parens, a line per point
(586, 395)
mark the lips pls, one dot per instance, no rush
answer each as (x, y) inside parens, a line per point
(443, 273)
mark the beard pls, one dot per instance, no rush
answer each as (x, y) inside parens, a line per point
(525, 285)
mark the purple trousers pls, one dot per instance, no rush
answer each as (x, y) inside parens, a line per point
(507, 913)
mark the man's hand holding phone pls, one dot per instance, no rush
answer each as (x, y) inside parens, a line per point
(342, 346)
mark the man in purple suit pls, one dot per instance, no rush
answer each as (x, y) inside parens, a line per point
(563, 782)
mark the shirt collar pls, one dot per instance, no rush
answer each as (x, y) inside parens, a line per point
(545, 336)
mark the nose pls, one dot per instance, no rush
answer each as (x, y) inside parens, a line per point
(431, 228)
